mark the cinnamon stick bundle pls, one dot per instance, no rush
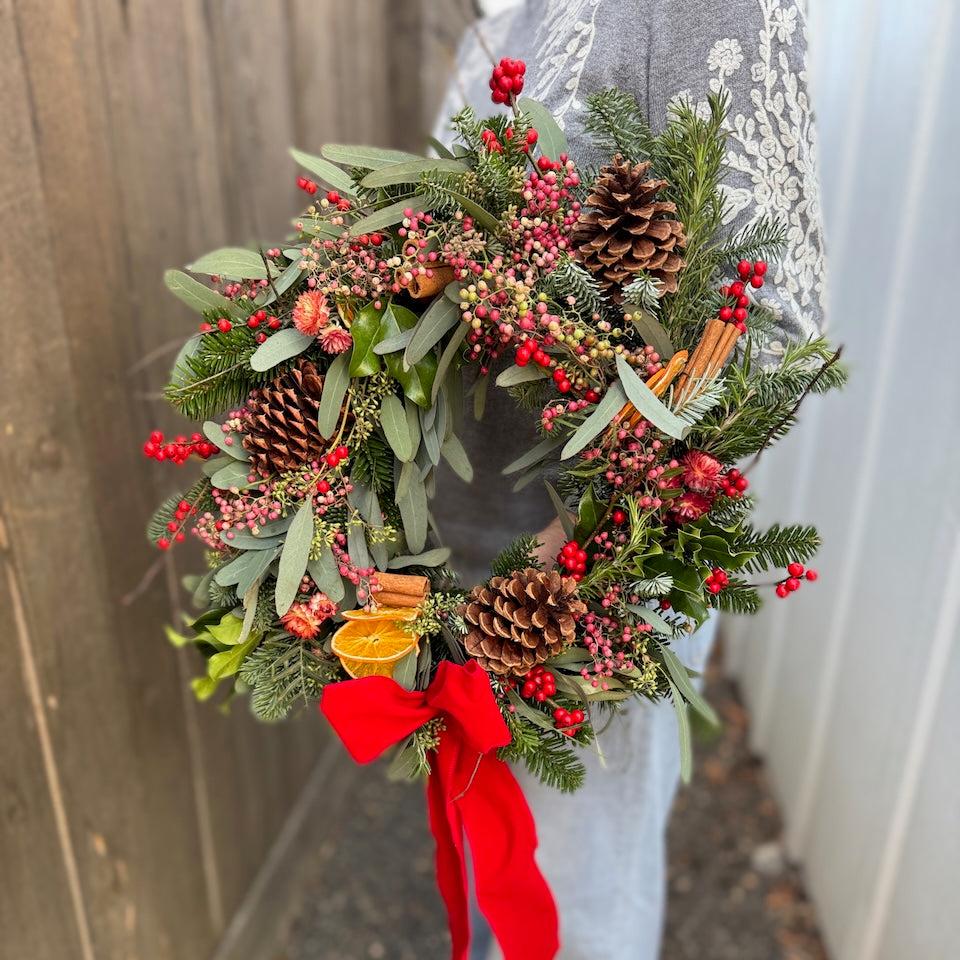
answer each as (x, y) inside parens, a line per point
(422, 287)
(401, 590)
(702, 354)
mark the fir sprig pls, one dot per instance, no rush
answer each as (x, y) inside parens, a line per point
(546, 755)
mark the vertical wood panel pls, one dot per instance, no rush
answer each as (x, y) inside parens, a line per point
(136, 136)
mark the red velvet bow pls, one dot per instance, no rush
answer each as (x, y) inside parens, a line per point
(469, 790)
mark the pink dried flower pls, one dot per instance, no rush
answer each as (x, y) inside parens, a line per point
(303, 620)
(690, 506)
(701, 472)
(311, 313)
(334, 339)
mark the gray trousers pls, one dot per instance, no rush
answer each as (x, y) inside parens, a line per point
(602, 849)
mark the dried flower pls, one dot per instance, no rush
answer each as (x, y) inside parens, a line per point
(311, 313)
(334, 339)
(701, 472)
(690, 506)
(304, 620)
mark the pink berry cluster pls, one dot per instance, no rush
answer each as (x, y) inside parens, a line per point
(506, 81)
(175, 526)
(717, 581)
(792, 582)
(736, 307)
(612, 644)
(177, 450)
(553, 411)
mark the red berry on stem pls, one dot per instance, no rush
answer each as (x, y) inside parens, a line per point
(795, 569)
(812, 575)
(744, 268)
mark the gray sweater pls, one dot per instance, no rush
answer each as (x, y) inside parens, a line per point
(657, 50)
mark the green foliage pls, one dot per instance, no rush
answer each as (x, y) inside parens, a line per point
(198, 495)
(218, 376)
(778, 545)
(282, 673)
(373, 465)
(548, 756)
(570, 279)
(616, 123)
(762, 239)
(518, 556)
(738, 597)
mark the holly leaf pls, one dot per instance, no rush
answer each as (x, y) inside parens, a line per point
(366, 333)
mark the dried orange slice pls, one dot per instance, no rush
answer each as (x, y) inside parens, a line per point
(372, 647)
(381, 613)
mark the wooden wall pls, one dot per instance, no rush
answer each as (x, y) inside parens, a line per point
(854, 684)
(137, 134)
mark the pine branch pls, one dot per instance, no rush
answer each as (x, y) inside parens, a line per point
(762, 239)
(551, 761)
(777, 546)
(616, 123)
(737, 597)
(518, 556)
(570, 279)
(283, 673)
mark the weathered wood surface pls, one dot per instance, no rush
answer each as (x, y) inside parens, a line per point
(136, 135)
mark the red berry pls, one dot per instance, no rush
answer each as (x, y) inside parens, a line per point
(564, 386)
(532, 136)
(528, 689)
(331, 460)
(736, 289)
(577, 716)
(163, 543)
(793, 584)
(224, 325)
(323, 486)
(812, 575)
(760, 267)
(782, 590)
(726, 313)
(342, 452)
(756, 281)
(740, 314)
(743, 300)
(744, 268)
(795, 569)
(618, 517)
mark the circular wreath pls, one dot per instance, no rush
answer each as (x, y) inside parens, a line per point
(328, 374)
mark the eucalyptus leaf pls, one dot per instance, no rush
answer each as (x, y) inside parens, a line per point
(294, 557)
(278, 347)
(411, 411)
(357, 545)
(552, 140)
(325, 574)
(410, 171)
(413, 512)
(370, 158)
(603, 414)
(234, 263)
(454, 453)
(648, 404)
(447, 357)
(405, 672)
(235, 474)
(326, 171)
(198, 296)
(417, 380)
(335, 385)
(515, 375)
(240, 540)
(563, 513)
(428, 433)
(438, 318)
(683, 729)
(652, 618)
(480, 396)
(440, 148)
(681, 678)
(452, 290)
(291, 273)
(389, 215)
(179, 372)
(214, 433)
(652, 331)
(429, 558)
(393, 421)
(534, 455)
(394, 344)
(482, 217)
(249, 610)
(524, 710)
(409, 474)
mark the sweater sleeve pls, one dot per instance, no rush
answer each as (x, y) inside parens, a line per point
(756, 52)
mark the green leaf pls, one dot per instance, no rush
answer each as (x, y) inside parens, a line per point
(588, 516)
(198, 296)
(389, 215)
(524, 710)
(394, 343)
(480, 396)
(365, 331)
(681, 678)
(393, 420)
(233, 475)
(294, 557)
(405, 672)
(609, 406)
(453, 452)
(653, 332)
(234, 263)
(653, 618)
(227, 632)
(411, 410)
(563, 514)
(438, 318)
(178, 639)
(281, 346)
(335, 385)
(683, 728)
(447, 357)
(513, 376)
(410, 171)
(552, 140)
(241, 540)
(646, 402)
(204, 687)
(409, 473)
(481, 217)
(370, 158)
(226, 664)
(326, 575)
(213, 432)
(533, 456)
(417, 381)
(413, 513)
(249, 610)
(430, 558)
(440, 148)
(291, 273)
(326, 171)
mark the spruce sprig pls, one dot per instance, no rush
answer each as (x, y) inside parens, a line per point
(551, 761)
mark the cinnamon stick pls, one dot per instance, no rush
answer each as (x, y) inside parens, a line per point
(421, 287)
(401, 590)
(701, 355)
(660, 382)
(723, 350)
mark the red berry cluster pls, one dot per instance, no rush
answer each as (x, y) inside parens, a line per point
(493, 144)
(308, 186)
(561, 380)
(734, 484)
(573, 558)
(339, 202)
(506, 79)
(175, 526)
(334, 458)
(531, 350)
(792, 583)
(177, 450)
(737, 310)
(718, 580)
(539, 684)
(567, 721)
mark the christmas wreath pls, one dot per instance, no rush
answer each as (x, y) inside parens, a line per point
(329, 374)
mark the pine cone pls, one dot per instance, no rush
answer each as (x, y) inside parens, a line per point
(281, 427)
(521, 620)
(627, 230)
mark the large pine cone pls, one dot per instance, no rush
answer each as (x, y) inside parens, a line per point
(281, 428)
(627, 230)
(521, 620)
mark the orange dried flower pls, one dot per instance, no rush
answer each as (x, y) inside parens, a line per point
(311, 313)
